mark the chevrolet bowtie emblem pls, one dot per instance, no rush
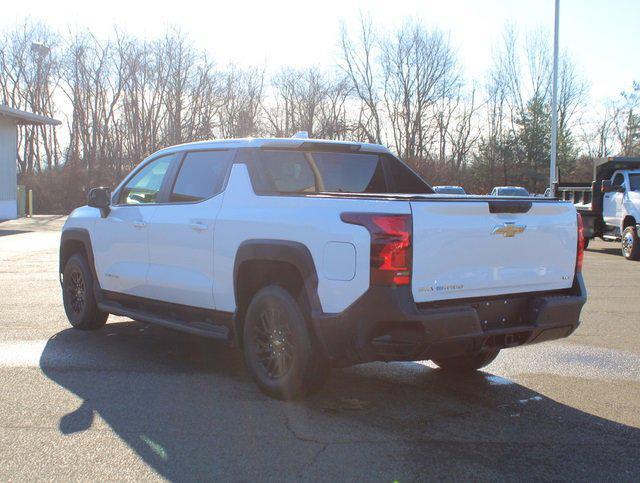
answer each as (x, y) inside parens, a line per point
(508, 230)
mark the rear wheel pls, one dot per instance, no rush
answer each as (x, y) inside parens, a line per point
(78, 296)
(279, 352)
(467, 363)
(630, 243)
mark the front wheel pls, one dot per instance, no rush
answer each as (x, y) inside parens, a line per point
(630, 243)
(279, 352)
(467, 363)
(77, 295)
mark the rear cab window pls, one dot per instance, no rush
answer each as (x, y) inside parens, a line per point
(313, 172)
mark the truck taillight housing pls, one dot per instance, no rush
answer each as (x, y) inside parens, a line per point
(390, 246)
(580, 251)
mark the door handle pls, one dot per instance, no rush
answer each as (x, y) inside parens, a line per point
(139, 224)
(198, 226)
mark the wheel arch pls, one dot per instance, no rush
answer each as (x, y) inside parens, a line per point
(77, 240)
(628, 220)
(262, 262)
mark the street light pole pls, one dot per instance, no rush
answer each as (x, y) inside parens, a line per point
(554, 105)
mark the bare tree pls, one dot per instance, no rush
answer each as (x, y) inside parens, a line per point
(464, 134)
(598, 138)
(307, 100)
(519, 100)
(29, 76)
(123, 98)
(333, 118)
(495, 132)
(358, 62)
(241, 101)
(419, 69)
(627, 121)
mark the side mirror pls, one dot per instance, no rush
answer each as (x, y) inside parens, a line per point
(100, 198)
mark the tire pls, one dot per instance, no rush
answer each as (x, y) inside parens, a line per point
(279, 352)
(467, 363)
(78, 297)
(630, 243)
(586, 243)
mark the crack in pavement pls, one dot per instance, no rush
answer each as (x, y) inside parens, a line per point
(314, 460)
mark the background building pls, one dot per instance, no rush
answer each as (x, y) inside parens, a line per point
(9, 120)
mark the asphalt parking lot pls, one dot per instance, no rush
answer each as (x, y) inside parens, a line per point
(134, 401)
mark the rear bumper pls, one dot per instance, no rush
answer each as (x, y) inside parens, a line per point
(386, 324)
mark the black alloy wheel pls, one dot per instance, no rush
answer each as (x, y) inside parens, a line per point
(279, 349)
(78, 295)
(75, 289)
(273, 343)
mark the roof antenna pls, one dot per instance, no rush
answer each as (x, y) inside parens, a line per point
(301, 135)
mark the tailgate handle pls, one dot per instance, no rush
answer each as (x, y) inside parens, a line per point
(501, 206)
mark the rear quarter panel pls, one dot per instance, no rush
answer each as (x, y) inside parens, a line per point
(340, 251)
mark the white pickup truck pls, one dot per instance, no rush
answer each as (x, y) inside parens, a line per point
(610, 204)
(310, 254)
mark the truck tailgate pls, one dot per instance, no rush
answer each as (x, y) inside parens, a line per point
(464, 249)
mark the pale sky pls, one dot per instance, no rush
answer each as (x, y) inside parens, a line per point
(603, 37)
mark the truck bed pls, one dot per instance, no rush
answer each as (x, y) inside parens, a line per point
(587, 198)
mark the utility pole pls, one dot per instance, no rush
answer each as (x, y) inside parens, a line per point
(553, 181)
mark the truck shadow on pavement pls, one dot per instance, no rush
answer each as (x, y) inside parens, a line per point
(187, 407)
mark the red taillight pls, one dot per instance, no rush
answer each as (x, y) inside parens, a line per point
(390, 246)
(580, 252)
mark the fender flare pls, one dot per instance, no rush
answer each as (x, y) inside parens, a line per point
(79, 235)
(634, 222)
(291, 252)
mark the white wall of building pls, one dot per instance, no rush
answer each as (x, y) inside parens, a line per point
(8, 170)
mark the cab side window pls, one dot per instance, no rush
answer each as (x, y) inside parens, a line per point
(201, 176)
(618, 180)
(145, 186)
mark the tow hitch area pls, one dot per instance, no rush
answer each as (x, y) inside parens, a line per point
(503, 313)
(504, 341)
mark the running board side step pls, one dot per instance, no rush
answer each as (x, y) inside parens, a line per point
(204, 329)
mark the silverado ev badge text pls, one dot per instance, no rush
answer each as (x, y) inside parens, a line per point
(508, 229)
(440, 288)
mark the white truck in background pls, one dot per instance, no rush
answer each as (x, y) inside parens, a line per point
(610, 204)
(310, 254)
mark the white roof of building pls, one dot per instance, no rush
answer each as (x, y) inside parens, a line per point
(24, 118)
